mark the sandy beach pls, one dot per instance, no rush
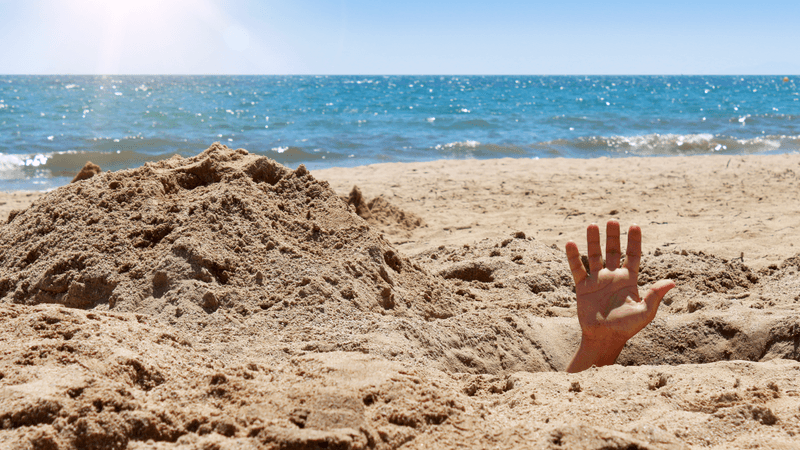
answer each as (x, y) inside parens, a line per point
(223, 301)
(723, 205)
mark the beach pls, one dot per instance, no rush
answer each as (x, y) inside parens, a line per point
(723, 205)
(443, 317)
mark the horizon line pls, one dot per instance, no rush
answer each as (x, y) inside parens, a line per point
(403, 75)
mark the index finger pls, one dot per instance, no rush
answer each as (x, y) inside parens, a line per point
(633, 254)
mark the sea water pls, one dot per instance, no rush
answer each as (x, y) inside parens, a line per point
(51, 125)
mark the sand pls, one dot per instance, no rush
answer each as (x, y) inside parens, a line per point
(224, 301)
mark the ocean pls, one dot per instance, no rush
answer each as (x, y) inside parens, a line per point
(51, 125)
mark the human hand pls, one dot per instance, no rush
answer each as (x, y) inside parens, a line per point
(610, 310)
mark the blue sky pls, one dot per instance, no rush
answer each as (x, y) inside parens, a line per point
(399, 37)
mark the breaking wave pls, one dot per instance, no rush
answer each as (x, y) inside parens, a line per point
(669, 145)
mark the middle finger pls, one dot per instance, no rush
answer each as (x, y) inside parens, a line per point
(613, 252)
(595, 255)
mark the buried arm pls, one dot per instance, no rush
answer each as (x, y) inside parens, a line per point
(610, 310)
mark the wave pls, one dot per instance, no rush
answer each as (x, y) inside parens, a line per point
(638, 145)
(668, 145)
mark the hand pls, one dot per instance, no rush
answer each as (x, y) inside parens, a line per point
(610, 310)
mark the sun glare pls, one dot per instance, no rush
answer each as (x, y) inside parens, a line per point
(160, 37)
(154, 30)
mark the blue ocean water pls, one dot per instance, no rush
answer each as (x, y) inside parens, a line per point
(51, 125)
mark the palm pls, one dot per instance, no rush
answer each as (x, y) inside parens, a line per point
(609, 305)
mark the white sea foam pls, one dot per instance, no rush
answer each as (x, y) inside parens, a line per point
(465, 144)
(659, 141)
(36, 161)
(10, 162)
(11, 166)
(676, 144)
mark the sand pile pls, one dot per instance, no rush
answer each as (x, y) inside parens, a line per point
(381, 212)
(89, 170)
(223, 229)
(250, 258)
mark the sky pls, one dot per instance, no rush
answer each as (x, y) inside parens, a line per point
(375, 37)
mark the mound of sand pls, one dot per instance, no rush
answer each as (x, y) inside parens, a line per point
(225, 301)
(381, 212)
(224, 228)
(250, 258)
(183, 238)
(89, 170)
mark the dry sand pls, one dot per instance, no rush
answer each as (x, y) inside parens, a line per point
(223, 301)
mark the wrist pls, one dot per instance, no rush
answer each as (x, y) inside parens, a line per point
(594, 351)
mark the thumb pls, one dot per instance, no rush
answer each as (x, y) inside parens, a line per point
(656, 293)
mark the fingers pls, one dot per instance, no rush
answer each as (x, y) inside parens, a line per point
(575, 264)
(633, 254)
(613, 252)
(593, 241)
(655, 294)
